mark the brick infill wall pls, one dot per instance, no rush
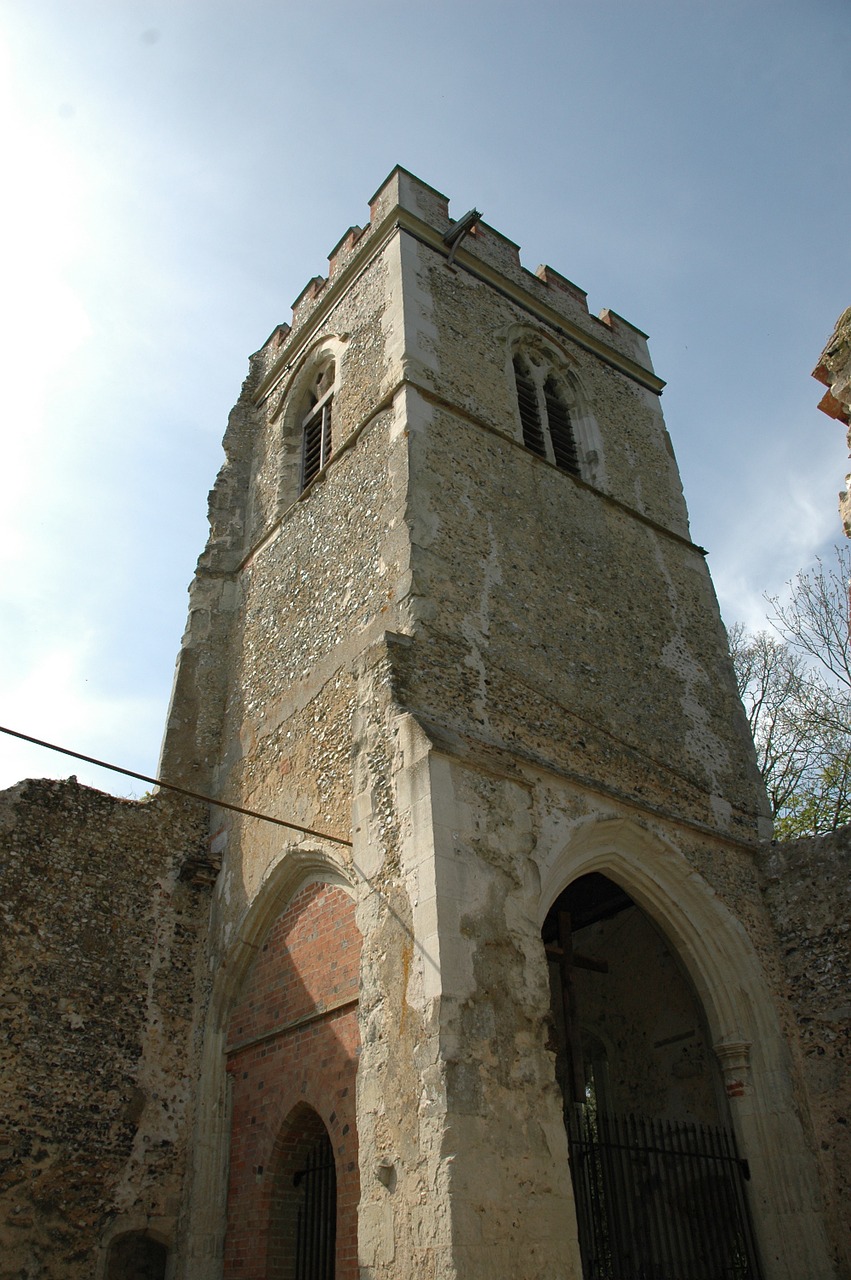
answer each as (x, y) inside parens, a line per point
(292, 1055)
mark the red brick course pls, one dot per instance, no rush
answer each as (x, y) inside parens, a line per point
(291, 1076)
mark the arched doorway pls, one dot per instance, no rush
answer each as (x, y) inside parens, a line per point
(658, 1184)
(136, 1256)
(292, 1051)
(303, 1218)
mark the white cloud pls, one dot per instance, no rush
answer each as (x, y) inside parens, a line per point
(49, 696)
(42, 319)
(779, 533)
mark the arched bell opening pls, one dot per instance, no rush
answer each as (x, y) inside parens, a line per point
(658, 1184)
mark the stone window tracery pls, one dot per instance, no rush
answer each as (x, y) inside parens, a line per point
(545, 416)
(561, 428)
(527, 403)
(556, 422)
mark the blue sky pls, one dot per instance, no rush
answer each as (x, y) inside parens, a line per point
(177, 172)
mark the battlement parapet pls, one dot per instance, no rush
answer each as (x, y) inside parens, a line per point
(482, 250)
(556, 280)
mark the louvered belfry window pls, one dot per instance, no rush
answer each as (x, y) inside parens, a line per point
(317, 442)
(545, 416)
(561, 431)
(530, 414)
(316, 427)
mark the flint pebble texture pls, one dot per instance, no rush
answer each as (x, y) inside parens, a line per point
(105, 905)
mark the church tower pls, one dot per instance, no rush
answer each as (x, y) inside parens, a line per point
(451, 644)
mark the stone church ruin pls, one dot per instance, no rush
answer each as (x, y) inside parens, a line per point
(490, 969)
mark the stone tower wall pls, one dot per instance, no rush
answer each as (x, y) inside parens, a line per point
(539, 603)
(468, 678)
(293, 586)
(467, 331)
(536, 591)
(469, 663)
(309, 600)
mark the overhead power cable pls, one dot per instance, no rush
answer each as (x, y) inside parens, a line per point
(170, 786)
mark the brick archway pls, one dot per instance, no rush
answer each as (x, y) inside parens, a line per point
(303, 1210)
(292, 1049)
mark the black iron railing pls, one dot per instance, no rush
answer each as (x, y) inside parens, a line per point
(317, 1214)
(659, 1200)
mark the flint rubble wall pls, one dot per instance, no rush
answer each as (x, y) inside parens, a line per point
(808, 888)
(103, 927)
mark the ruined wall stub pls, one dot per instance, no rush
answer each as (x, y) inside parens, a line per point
(105, 905)
(808, 886)
(834, 372)
(478, 659)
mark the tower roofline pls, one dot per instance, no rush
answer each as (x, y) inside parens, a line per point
(400, 169)
(403, 202)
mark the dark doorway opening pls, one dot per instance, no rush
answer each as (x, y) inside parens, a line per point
(135, 1256)
(304, 1214)
(658, 1184)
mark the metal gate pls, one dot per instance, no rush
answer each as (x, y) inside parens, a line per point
(316, 1225)
(658, 1200)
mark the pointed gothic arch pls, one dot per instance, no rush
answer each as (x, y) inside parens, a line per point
(727, 977)
(294, 870)
(302, 1236)
(554, 411)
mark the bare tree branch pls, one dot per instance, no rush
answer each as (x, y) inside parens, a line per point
(796, 692)
(815, 621)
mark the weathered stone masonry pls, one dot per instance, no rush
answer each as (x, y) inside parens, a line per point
(808, 888)
(491, 679)
(105, 904)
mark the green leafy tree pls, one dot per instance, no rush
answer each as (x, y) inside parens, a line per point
(796, 690)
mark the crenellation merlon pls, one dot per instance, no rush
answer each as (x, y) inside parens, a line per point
(403, 190)
(556, 280)
(556, 291)
(495, 249)
(339, 256)
(268, 353)
(424, 212)
(309, 293)
(631, 332)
